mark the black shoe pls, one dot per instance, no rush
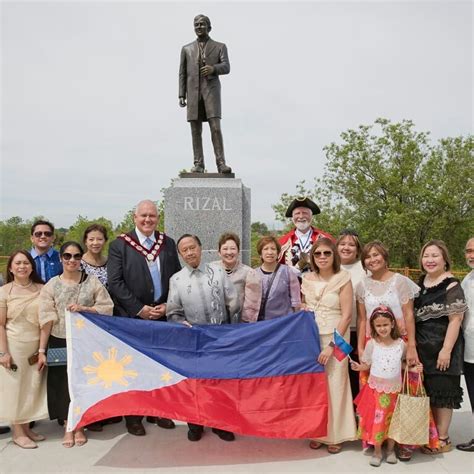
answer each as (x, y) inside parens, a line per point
(165, 423)
(113, 420)
(97, 426)
(194, 435)
(224, 435)
(469, 446)
(224, 169)
(136, 428)
(60, 422)
(4, 429)
(197, 169)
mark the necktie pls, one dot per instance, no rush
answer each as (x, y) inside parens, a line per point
(154, 271)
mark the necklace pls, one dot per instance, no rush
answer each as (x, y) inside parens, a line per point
(23, 286)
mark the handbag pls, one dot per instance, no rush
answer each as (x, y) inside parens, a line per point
(263, 304)
(411, 417)
(56, 356)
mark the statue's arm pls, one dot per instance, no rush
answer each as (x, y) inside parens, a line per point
(182, 79)
(223, 66)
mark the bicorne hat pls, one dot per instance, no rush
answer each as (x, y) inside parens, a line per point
(302, 202)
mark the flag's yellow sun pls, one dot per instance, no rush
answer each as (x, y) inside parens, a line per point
(110, 370)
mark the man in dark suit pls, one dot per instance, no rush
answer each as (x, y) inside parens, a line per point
(139, 267)
(202, 62)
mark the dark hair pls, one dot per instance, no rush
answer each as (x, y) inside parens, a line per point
(229, 236)
(41, 222)
(336, 262)
(192, 236)
(385, 312)
(99, 228)
(67, 244)
(444, 251)
(34, 277)
(355, 237)
(267, 239)
(377, 245)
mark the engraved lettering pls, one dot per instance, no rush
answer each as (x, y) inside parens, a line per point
(225, 208)
(215, 205)
(188, 204)
(205, 205)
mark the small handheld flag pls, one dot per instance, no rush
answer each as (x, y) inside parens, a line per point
(342, 348)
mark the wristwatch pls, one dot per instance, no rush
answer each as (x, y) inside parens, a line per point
(331, 344)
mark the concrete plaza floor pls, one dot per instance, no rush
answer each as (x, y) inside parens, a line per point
(169, 452)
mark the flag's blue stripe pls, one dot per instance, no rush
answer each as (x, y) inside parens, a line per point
(342, 343)
(283, 346)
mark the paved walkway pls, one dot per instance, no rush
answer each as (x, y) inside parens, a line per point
(169, 452)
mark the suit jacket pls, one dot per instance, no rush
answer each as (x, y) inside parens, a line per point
(192, 86)
(129, 279)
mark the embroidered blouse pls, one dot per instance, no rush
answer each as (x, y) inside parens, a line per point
(100, 271)
(56, 295)
(394, 293)
(385, 365)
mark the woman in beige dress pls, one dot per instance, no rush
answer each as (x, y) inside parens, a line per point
(22, 386)
(74, 290)
(327, 291)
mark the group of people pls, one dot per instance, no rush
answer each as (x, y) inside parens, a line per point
(389, 320)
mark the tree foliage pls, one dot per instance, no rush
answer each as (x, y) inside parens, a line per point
(391, 183)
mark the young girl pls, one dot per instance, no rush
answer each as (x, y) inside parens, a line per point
(375, 403)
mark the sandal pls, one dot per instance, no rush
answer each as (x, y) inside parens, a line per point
(313, 444)
(445, 445)
(80, 438)
(391, 458)
(68, 440)
(334, 448)
(36, 436)
(375, 461)
(25, 442)
(404, 454)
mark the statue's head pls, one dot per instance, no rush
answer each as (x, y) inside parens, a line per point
(202, 25)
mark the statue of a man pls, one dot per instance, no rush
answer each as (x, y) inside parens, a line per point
(202, 62)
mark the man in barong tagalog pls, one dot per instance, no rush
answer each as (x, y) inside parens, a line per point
(201, 64)
(201, 293)
(139, 267)
(296, 244)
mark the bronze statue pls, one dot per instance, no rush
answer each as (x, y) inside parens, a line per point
(202, 62)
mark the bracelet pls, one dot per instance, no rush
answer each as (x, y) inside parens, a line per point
(331, 344)
(41, 351)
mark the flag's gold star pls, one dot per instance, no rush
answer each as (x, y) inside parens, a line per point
(110, 370)
(77, 411)
(166, 377)
(80, 323)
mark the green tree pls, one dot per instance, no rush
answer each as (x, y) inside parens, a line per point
(390, 183)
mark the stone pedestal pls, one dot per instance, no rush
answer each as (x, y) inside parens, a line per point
(208, 207)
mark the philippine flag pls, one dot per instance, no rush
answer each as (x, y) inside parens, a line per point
(259, 379)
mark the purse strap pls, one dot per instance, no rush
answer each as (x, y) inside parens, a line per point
(263, 304)
(420, 389)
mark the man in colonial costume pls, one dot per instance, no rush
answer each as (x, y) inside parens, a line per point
(139, 267)
(296, 244)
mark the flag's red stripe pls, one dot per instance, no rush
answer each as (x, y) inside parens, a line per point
(339, 354)
(291, 406)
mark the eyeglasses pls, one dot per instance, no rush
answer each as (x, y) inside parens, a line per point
(326, 253)
(46, 233)
(76, 256)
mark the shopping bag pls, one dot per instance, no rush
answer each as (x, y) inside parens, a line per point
(410, 420)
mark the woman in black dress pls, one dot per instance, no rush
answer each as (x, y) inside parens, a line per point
(439, 310)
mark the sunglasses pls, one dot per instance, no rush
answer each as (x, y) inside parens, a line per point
(349, 232)
(46, 233)
(326, 253)
(76, 256)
